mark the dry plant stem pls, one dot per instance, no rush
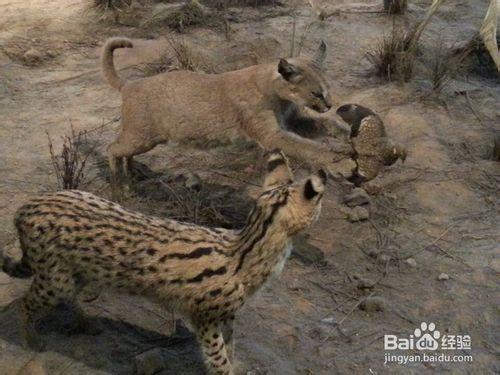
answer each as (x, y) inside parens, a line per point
(70, 165)
(421, 26)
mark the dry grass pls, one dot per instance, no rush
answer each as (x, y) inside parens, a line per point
(105, 5)
(164, 64)
(395, 6)
(392, 58)
(208, 204)
(71, 165)
(252, 3)
(182, 16)
(443, 64)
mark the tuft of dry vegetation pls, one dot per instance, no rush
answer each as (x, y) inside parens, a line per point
(162, 65)
(71, 165)
(392, 58)
(252, 3)
(442, 65)
(204, 204)
(182, 16)
(105, 5)
(395, 6)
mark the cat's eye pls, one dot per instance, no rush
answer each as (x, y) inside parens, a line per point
(317, 94)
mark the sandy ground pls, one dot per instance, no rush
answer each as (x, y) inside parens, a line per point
(440, 208)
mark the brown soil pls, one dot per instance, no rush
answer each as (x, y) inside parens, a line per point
(439, 208)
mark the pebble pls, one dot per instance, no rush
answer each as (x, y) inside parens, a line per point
(411, 262)
(149, 363)
(362, 283)
(443, 276)
(372, 304)
(358, 214)
(357, 197)
(32, 56)
(192, 181)
(329, 320)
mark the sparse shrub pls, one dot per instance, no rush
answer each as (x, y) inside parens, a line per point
(164, 64)
(392, 58)
(187, 59)
(395, 6)
(208, 204)
(443, 64)
(184, 55)
(70, 165)
(181, 16)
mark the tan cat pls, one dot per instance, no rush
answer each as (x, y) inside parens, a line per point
(252, 102)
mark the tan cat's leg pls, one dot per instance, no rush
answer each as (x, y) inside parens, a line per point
(214, 349)
(120, 154)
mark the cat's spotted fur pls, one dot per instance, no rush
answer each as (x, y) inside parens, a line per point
(72, 239)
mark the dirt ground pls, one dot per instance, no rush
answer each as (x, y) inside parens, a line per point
(440, 208)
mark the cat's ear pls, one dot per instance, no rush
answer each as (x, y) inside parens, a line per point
(315, 185)
(278, 170)
(287, 70)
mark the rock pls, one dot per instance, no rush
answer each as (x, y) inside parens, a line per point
(191, 181)
(342, 169)
(50, 53)
(358, 214)
(411, 262)
(362, 283)
(357, 197)
(32, 56)
(149, 363)
(329, 320)
(443, 276)
(373, 304)
(306, 253)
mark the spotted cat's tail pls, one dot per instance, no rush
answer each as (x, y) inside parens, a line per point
(20, 269)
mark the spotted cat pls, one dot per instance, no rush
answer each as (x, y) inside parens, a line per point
(73, 239)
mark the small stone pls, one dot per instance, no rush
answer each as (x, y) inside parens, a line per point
(373, 304)
(358, 214)
(50, 53)
(363, 283)
(307, 253)
(192, 181)
(357, 197)
(149, 363)
(443, 276)
(32, 56)
(342, 169)
(329, 320)
(411, 262)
